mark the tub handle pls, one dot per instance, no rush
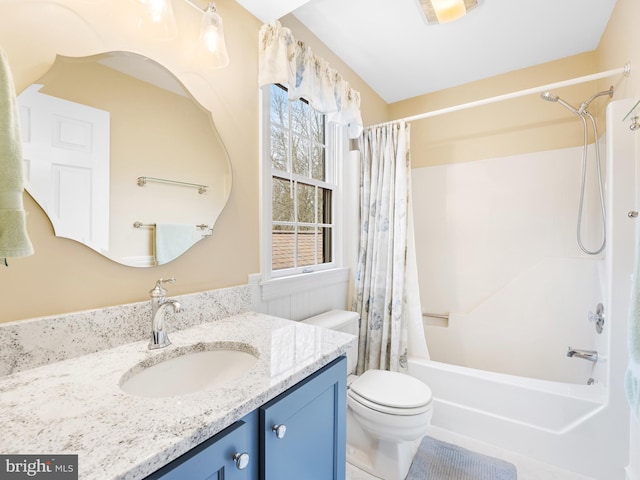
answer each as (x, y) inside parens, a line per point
(598, 317)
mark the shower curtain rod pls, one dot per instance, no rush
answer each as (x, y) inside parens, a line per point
(626, 70)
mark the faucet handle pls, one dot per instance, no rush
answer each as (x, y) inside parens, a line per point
(159, 290)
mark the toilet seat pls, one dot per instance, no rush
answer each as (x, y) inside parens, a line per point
(392, 393)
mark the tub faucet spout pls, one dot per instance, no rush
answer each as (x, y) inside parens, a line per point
(591, 355)
(159, 303)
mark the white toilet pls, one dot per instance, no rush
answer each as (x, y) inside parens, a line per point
(388, 413)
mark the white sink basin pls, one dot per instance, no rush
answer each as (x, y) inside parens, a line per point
(186, 372)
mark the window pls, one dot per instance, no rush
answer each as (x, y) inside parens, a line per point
(300, 186)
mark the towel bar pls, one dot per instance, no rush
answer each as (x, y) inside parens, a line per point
(142, 181)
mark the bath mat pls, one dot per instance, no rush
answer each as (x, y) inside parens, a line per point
(437, 460)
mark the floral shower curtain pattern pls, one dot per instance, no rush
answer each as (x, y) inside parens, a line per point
(381, 276)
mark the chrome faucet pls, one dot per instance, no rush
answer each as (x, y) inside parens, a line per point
(159, 303)
(591, 355)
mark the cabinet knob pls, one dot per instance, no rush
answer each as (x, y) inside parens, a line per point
(242, 460)
(280, 430)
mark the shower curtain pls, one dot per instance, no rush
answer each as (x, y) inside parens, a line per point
(386, 287)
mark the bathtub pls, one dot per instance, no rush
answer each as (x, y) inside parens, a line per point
(566, 425)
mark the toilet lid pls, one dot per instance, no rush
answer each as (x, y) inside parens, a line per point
(391, 389)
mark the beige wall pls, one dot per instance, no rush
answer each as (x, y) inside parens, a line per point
(64, 276)
(510, 127)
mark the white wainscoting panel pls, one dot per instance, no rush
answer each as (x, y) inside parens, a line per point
(302, 296)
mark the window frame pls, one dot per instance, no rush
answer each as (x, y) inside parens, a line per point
(335, 146)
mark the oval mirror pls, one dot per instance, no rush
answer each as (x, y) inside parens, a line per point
(122, 158)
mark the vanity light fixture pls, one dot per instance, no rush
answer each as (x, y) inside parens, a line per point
(156, 19)
(211, 50)
(157, 22)
(443, 11)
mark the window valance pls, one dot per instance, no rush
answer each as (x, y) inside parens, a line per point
(284, 60)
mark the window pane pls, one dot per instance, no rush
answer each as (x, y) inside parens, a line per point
(301, 223)
(317, 127)
(325, 254)
(279, 148)
(282, 205)
(300, 117)
(282, 246)
(300, 155)
(306, 246)
(317, 163)
(324, 205)
(306, 203)
(279, 106)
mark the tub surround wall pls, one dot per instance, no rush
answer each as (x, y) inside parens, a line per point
(39, 341)
(497, 250)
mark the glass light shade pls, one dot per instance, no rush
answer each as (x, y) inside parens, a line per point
(156, 20)
(212, 50)
(448, 10)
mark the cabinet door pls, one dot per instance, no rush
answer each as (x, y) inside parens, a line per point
(313, 447)
(214, 458)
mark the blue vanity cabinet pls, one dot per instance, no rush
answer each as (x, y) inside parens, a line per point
(232, 454)
(303, 431)
(308, 443)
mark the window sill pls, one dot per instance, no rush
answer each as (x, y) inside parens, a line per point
(278, 287)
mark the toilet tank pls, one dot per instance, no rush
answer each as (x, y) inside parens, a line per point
(341, 321)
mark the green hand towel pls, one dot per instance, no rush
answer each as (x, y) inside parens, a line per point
(14, 241)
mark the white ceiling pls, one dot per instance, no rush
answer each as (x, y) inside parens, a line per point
(389, 44)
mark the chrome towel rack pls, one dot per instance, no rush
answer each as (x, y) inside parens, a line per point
(152, 225)
(142, 181)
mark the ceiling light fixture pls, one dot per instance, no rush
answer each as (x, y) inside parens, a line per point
(443, 11)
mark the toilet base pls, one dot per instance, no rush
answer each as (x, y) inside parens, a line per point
(384, 459)
(393, 467)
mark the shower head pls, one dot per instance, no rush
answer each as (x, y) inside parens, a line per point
(586, 103)
(550, 97)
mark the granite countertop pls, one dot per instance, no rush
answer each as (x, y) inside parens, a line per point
(76, 406)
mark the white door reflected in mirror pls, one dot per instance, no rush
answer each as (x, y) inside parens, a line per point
(66, 155)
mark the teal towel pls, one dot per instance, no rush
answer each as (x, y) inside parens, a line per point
(14, 241)
(632, 377)
(173, 239)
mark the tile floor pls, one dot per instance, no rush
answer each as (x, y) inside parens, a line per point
(528, 469)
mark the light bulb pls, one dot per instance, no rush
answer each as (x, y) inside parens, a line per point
(210, 37)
